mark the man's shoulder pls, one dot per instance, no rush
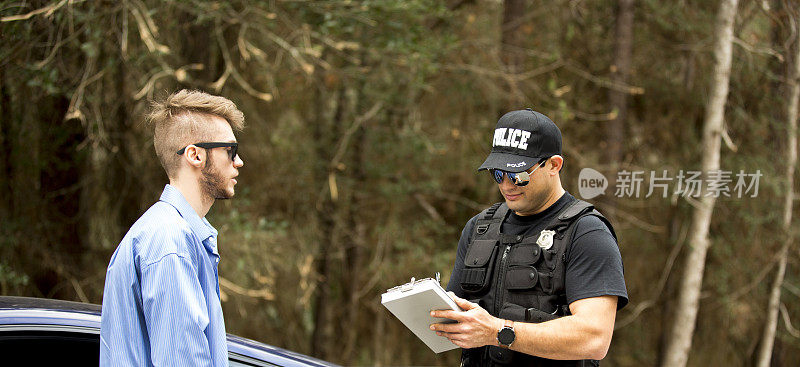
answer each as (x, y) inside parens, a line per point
(160, 219)
(589, 222)
(160, 231)
(466, 232)
(471, 222)
(592, 237)
(469, 228)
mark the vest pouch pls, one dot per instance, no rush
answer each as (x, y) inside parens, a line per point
(525, 254)
(477, 273)
(521, 278)
(550, 258)
(500, 355)
(513, 312)
(536, 316)
(546, 282)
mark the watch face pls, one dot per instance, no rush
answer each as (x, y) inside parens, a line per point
(506, 336)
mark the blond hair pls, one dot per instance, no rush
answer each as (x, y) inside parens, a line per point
(184, 118)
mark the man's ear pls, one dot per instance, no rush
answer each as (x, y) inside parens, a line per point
(556, 163)
(195, 156)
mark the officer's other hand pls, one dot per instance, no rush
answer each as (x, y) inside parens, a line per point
(474, 328)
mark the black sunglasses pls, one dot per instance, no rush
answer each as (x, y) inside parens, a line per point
(231, 153)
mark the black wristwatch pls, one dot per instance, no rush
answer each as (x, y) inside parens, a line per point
(506, 335)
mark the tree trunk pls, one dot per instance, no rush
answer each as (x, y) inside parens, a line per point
(356, 229)
(512, 43)
(5, 141)
(329, 110)
(780, 39)
(768, 335)
(620, 74)
(680, 337)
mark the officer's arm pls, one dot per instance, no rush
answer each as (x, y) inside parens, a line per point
(586, 334)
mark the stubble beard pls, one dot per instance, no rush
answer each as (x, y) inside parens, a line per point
(532, 201)
(213, 184)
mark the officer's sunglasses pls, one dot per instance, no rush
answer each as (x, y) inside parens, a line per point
(231, 153)
(520, 178)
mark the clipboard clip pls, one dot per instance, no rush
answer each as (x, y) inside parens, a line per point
(408, 286)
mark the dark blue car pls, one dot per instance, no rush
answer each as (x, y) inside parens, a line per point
(46, 332)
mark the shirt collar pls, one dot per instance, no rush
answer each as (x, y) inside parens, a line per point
(199, 226)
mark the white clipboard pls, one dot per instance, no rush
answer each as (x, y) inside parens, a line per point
(412, 303)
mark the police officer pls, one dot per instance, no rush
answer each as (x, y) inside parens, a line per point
(539, 277)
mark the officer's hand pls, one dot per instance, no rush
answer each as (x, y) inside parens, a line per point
(475, 327)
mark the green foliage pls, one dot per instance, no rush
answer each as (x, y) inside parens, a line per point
(45, 78)
(10, 278)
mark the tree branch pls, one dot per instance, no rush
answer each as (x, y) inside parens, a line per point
(47, 11)
(264, 293)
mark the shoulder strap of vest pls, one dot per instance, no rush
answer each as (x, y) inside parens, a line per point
(578, 209)
(493, 214)
(567, 216)
(490, 212)
(574, 209)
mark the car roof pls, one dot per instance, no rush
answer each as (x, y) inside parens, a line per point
(86, 317)
(10, 302)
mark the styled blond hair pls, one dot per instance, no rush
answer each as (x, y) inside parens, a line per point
(184, 118)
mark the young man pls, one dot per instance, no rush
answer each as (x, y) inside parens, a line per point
(161, 303)
(540, 276)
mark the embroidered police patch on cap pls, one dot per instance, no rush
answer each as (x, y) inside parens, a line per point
(545, 240)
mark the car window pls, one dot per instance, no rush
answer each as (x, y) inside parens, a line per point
(45, 348)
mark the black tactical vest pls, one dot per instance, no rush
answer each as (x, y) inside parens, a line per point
(516, 278)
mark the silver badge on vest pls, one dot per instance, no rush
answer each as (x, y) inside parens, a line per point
(545, 240)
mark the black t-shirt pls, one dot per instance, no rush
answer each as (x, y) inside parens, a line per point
(594, 266)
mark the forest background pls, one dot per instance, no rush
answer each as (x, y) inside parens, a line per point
(366, 121)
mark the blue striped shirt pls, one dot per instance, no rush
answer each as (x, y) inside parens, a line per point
(161, 304)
